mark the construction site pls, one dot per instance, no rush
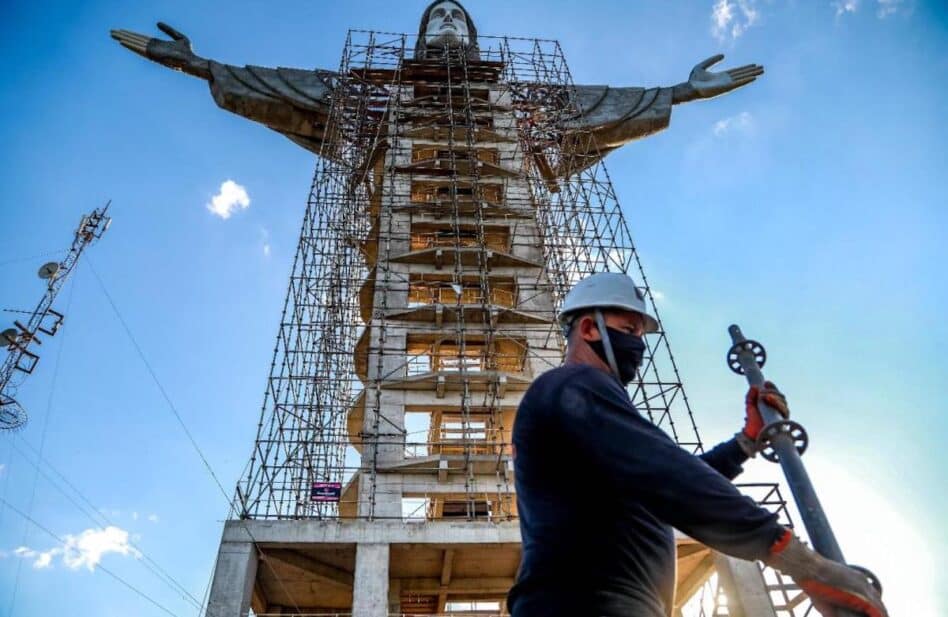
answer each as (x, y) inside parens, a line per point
(460, 193)
(451, 209)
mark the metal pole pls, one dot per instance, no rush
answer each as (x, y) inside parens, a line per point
(814, 519)
(785, 450)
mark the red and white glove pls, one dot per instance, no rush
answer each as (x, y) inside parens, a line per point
(753, 421)
(829, 585)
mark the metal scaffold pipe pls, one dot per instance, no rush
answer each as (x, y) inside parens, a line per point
(784, 441)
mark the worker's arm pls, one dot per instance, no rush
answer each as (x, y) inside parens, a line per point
(638, 458)
(595, 415)
(726, 458)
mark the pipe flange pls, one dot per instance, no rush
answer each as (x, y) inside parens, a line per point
(734, 353)
(791, 429)
(873, 579)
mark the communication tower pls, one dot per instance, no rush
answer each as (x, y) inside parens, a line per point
(22, 341)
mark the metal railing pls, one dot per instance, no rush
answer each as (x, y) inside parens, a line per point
(474, 360)
(446, 294)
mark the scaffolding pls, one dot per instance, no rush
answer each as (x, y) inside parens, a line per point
(455, 202)
(478, 148)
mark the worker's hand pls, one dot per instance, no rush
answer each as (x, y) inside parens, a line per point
(831, 586)
(753, 421)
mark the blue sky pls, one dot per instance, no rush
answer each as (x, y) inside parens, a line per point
(809, 207)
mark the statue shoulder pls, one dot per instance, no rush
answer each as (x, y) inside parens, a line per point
(308, 89)
(607, 100)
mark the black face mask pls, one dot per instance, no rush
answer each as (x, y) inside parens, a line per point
(628, 350)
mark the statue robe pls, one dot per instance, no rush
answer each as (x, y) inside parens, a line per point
(613, 117)
(296, 102)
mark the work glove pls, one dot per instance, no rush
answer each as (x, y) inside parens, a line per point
(829, 585)
(753, 422)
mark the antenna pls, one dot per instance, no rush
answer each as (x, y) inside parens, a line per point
(49, 270)
(22, 340)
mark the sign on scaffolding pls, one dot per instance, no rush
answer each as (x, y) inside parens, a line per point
(325, 491)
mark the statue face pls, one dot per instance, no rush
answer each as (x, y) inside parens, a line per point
(447, 25)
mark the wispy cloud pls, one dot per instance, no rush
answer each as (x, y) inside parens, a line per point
(83, 550)
(743, 122)
(730, 19)
(889, 7)
(265, 240)
(845, 6)
(3, 468)
(230, 198)
(884, 8)
(153, 518)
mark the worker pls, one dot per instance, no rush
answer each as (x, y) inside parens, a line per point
(599, 487)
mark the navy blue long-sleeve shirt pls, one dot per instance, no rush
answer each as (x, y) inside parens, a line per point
(599, 489)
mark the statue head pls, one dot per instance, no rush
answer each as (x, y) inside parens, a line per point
(446, 24)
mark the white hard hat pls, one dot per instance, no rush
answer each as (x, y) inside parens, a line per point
(607, 290)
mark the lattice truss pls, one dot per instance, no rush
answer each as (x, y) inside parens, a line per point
(451, 209)
(787, 600)
(22, 341)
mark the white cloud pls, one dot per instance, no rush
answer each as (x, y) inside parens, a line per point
(153, 518)
(888, 7)
(733, 18)
(84, 550)
(884, 8)
(230, 198)
(265, 240)
(743, 121)
(41, 560)
(3, 468)
(845, 6)
(722, 14)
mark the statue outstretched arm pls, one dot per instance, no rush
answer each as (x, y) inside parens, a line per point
(294, 102)
(705, 84)
(609, 117)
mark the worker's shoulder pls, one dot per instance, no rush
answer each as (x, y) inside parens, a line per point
(568, 374)
(545, 394)
(566, 371)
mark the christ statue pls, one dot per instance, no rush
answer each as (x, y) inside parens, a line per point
(296, 102)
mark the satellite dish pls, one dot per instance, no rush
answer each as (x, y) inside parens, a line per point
(12, 415)
(49, 270)
(9, 336)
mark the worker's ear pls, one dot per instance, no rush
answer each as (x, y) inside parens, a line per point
(588, 331)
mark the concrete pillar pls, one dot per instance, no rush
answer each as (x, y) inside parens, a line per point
(234, 576)
(394, 597)
(370, 588)
(746, 590)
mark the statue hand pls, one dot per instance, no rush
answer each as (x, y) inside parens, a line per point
(175, 54)
(707, 84)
